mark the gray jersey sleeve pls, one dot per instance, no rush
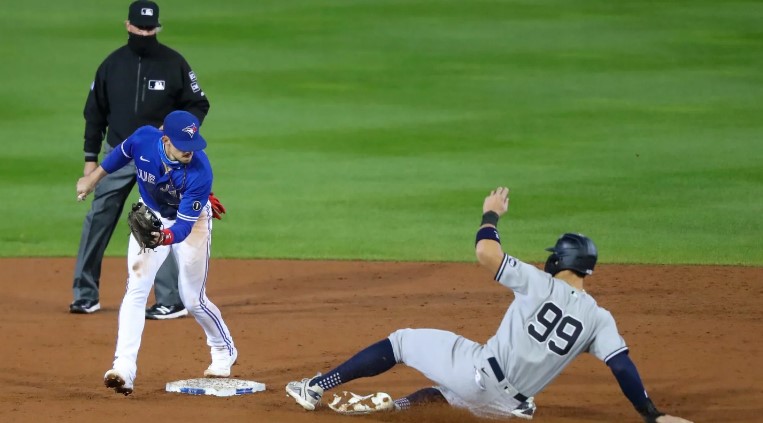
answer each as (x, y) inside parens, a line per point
(607, 343)
(523, 278)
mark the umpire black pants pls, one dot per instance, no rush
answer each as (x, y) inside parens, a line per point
(108, 201)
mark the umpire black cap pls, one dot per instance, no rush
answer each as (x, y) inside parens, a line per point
(144, 13)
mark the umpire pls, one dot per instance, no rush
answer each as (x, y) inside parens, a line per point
(138, 84)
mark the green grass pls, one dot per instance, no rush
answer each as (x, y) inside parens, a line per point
(374, 129)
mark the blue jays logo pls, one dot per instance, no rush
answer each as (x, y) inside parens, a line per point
(191, 130)
(169, 188)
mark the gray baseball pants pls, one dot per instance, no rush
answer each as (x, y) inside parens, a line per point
(457, 365)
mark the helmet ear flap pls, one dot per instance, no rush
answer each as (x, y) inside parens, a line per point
(552, 264)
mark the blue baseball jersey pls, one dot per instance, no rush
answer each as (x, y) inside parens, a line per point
(177, 191)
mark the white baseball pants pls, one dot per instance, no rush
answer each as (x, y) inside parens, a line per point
(192, 256)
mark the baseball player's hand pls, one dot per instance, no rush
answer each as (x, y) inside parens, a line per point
(87, 183)
(218, 210)
(497, 201)
(85, 186)
(671, 419)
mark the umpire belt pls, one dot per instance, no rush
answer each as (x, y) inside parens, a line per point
(511, 390)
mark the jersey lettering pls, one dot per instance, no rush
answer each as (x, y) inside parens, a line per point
(551, 320)
(146, 177)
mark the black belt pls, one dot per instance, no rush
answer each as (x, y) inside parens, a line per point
(499, 374)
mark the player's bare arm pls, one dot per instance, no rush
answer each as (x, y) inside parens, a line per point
(87, 183)
(89, 168)
(488, 247)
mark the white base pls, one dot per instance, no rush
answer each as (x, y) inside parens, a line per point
(219, 387)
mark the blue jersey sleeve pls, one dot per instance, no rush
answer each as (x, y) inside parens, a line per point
(119, 156)
(123, 153)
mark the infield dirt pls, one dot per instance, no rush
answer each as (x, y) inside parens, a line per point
(694, 333)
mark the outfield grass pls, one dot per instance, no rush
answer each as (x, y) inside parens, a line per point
(374, 129)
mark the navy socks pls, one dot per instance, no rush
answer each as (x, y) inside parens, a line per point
(372, 361)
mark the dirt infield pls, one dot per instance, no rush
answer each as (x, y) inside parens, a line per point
(694, 332)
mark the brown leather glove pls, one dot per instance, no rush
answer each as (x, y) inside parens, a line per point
(145, 226)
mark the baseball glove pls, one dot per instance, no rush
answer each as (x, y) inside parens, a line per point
(145, 226)
(218, 210)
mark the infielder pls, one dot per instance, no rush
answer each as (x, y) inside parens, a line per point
(551, 321)
(174, 180)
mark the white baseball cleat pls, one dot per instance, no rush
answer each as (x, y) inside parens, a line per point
(526, 410)
(349, 403)
(222, 360)
(307, 396)
(115, 380)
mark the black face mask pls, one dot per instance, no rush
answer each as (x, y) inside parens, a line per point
(140, 44)
(552, 265)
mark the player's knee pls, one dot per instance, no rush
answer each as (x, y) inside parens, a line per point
(191, 303)
(397, 338)
(138, 290)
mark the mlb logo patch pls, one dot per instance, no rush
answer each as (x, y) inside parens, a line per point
(147, 11)
(156, 85)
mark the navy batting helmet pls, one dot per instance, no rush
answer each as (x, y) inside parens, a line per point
(574, 252)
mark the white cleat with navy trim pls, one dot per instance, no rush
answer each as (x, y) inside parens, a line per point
(305, 395)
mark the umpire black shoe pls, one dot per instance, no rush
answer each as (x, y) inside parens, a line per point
(165, 312)
(84, 306)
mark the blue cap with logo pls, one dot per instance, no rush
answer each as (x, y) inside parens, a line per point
(183, 130)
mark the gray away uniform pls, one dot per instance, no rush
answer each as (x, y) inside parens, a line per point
(548, 324)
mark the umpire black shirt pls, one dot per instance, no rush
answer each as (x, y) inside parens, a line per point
(131, 90)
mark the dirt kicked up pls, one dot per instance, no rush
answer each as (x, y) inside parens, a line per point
(694, 333)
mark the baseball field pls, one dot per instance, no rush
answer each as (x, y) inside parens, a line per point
(352, 142)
